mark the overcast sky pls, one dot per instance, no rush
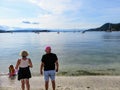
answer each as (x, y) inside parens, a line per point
(56, 14)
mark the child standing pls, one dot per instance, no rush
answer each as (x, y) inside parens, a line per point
(24, 72)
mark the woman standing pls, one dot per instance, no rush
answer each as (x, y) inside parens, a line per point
(23, 64)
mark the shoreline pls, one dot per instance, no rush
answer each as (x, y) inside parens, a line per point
(66, 83)
(81, 72)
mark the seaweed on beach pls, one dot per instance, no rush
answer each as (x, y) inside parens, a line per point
(79, 73)
(63, 73)
(83, 72)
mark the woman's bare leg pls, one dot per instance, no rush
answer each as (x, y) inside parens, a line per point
(23, 84)
(27, 84)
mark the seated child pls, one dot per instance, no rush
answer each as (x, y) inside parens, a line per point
(12, 72)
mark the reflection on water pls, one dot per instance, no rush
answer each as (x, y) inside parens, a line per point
(113, 36)
(76, 51)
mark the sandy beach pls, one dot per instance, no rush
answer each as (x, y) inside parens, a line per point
(66, 83)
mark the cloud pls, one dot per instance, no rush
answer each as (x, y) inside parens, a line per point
(35, 22)
(57, 6)
(53, 14)
(57, 13)
(28, 22)
(19, 23)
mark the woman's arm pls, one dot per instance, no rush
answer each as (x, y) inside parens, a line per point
(17, 64)
(30, 63)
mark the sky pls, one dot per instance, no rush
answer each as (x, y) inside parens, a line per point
(59, 14)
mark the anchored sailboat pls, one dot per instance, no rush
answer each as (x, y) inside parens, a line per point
(109, 28)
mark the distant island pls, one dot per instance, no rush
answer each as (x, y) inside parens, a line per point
(2, 31)
(11, 31)
(108, 27)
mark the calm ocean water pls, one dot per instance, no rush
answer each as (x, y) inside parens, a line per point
(88, 53)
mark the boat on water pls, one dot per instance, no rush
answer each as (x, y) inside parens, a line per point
(109, 28)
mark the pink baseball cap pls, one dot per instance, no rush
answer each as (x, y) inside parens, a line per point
(48, 48)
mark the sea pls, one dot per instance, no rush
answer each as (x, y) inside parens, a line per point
(89, 53)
